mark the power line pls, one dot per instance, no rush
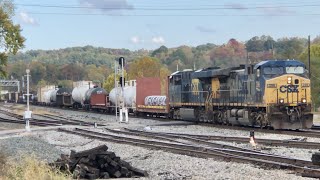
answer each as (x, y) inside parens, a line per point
(171, 15)
(216, 7)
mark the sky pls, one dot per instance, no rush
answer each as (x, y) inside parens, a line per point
(148, 24)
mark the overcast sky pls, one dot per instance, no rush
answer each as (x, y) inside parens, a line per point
(148, 24)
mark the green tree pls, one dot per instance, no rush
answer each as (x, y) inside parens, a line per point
(10, 38)
(315, 73)
(108, 84)
(290, 48)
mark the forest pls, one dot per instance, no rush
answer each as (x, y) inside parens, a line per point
(62, 66)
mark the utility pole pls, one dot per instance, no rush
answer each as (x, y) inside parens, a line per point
(309, 56)
(28, 113)
(116, 86)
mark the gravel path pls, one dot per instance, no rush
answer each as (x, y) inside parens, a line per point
(160, 165)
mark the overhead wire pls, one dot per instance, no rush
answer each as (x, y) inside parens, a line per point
(214, 7)
(171, 15)
(153, 8)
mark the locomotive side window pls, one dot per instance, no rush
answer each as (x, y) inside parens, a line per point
(177, 80)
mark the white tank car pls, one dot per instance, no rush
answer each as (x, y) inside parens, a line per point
(129, 96)
(47, 95)
(78, 94)
(155, 101)
(53, 95)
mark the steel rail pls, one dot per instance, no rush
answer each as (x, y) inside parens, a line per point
(196, 151)
(270, 142)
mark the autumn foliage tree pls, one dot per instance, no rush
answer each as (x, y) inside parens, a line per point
(10, 38)
(148, 67)
(231, 54)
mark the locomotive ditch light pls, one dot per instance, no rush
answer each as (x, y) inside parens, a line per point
(303, 100)
(281, 101)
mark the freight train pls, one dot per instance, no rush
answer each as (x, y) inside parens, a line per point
(272, 93)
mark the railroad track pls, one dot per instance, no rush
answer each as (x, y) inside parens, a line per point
(35, 123)
(50, 120)
(304, 168)
(303, 133)
(270, 142)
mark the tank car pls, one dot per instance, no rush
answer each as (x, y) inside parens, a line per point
(43, 94)
(129, 96)
(78, 96)
(96, 99)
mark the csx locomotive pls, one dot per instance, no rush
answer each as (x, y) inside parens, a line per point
(273, 93)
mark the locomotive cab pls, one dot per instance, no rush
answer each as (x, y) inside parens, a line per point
(283, 87)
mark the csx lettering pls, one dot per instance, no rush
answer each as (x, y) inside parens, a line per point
(289, 88)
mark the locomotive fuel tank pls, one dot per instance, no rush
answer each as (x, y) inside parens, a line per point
(187, 114)
(239, 117)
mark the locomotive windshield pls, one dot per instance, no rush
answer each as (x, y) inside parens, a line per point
(295, 70)
(273, 70)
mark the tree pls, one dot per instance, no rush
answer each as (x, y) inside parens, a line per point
(290, 48)
(38, 71)
(316, 40)
(161, 50)
(255, 44)
(144, 67)
(10, 38)
(315, 73)
(148, 67)
(230, 54)
(108, 84)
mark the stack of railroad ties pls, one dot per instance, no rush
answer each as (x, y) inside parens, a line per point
(97, 163)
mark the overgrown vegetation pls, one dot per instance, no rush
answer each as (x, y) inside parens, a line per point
(29, 168)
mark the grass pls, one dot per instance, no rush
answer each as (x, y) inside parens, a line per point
(29, 168)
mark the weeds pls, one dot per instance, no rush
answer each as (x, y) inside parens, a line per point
(29, 168)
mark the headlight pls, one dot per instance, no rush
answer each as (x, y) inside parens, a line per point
(281, 101)
(289, 80)
(303, 100)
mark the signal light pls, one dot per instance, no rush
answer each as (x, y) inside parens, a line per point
(121, 79)
(121, 61)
